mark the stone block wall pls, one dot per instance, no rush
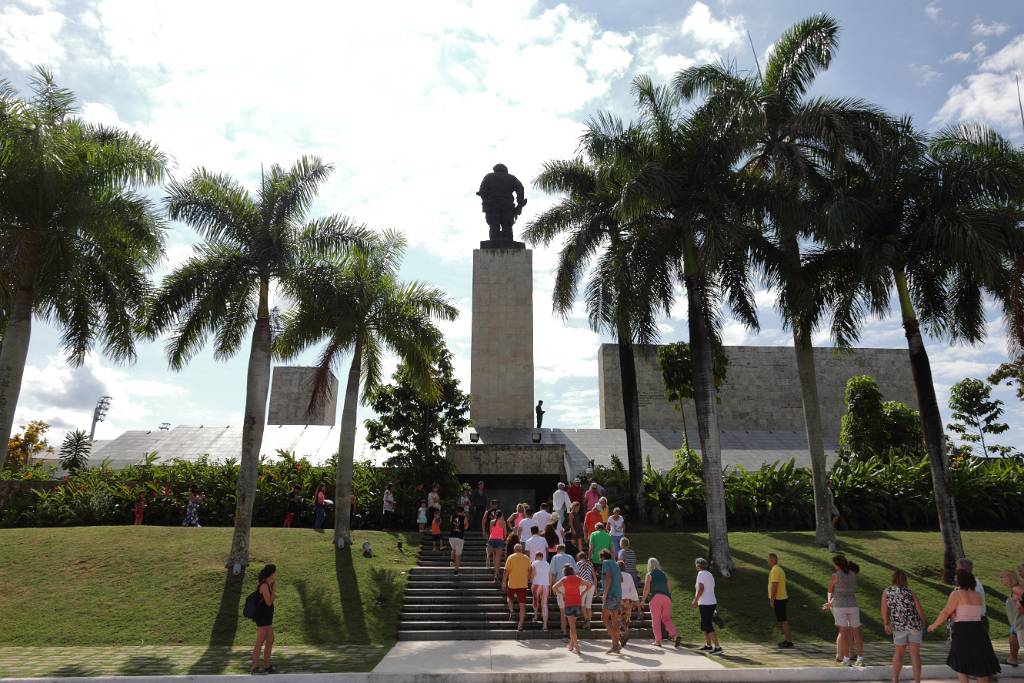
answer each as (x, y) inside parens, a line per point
(761, 390)
(290, 392)
(501, 385)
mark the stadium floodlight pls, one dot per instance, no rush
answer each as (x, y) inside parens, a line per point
(99, 414)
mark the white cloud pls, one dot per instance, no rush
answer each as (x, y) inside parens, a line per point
(994, 28)
(958, 57)
(924, 74)
(933, 11)
(708, 31)
(979, 49)
(31, 38)
(989, 94)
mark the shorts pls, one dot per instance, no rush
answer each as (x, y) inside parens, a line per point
(573, 611)
(612, 603)
(436, 537)
(517, 594)
(496, 543)
(847, 616)
(535, 587)
(588, 597)
(904, 637)
(457, 545)
(781, 613)
(707, 617)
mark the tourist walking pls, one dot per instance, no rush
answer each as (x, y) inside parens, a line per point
(585, 570)
(778, 598)
(560, 502)
(264, 618)
(611, 598)
(293, 506)
(526, 525)
(542, 516)
(569, 591)
(617, 529)
(140, 509)
(319, 507)
(540, 582)
(970, 650)
(480, 502)
(598, 541)
(658, 595)
(605, 510)
(463, 500)
(388, 507)
(421, 516)
(842, 600)
(457, 536)
(551, 537)
(968, 566)
(575, 492)
(192, 507)
(513, 521)
(590, 522)
(515, 581)
(1014, 612)
(592, 495)
(559, 561)
(435, 532)
(627, 555)
(630, 601)
(496, 542)
(904, 620)
(536, 543)
(706, 602)
(434, 498)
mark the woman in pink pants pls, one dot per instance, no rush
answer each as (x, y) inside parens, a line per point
(658, 595)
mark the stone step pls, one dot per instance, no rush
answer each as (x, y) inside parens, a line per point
(485, 626)
(512, 634)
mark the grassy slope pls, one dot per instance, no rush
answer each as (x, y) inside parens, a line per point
(743, 600)
(166, 585)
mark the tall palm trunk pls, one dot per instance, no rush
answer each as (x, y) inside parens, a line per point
(346, 454)
(686, 430)
(824, 534)
(257, 386)
(934, 438)
(707, 417)
(13, 355)
(631, 410)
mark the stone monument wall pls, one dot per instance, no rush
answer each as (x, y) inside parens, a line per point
(289, 398)
(501, 365)
(761, 390)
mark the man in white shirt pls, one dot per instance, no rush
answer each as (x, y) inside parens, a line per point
(542, 517)
(560, 500)
(525, 526)
(704, 598)
(536, 544)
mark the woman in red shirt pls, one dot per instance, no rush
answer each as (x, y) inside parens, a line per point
(572, 588)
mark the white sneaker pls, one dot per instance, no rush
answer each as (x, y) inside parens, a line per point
(846, 661)
(860, 662)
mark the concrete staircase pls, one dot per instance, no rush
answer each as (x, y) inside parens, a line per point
(441, 606)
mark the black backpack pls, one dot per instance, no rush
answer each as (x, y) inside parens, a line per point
(252, 603)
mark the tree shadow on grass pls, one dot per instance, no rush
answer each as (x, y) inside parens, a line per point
(320, 620)
(146, 665)
(72, 671)
(217, 656)
(352, 610)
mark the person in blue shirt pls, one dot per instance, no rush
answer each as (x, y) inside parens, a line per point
(611, 581)
(559, 561)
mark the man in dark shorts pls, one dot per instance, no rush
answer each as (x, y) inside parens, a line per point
(778, 598)
(611, 582)
(515, 582)
(456, 538)
(478, 502)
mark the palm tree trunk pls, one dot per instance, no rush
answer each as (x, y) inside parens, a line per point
(707, 418)
(934, 438)
(346, 454)
(13, 355)
(257, 386)
(686, 431)
(631, 410)
(824, 534)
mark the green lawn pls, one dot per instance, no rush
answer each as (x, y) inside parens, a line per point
(167, 586)
(744, 612)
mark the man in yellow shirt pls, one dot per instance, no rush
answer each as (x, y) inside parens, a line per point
(779, 598)
(515, 582)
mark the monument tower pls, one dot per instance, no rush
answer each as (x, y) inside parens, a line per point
(501, 372)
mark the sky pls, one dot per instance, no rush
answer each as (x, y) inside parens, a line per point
(413, 102)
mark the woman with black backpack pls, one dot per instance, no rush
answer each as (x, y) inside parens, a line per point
(263, 615)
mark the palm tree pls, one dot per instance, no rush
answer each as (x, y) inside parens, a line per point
(936, 221)
(690, 178)
(357, 305)
(793, 141)
(76, 238)
(74, 450)
(626, 286)
(223, 290)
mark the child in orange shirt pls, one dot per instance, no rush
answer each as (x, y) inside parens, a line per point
(435, 531)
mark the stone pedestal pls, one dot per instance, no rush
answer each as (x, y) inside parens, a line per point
(501, 384)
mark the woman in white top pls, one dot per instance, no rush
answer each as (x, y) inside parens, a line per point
(630, 601)
(617, 529)
(540, 582)
(704, 598)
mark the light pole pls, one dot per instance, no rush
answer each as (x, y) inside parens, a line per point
(102, 405)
